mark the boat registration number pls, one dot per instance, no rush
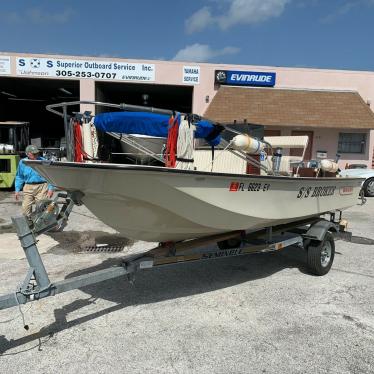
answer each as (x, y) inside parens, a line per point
(251, 186)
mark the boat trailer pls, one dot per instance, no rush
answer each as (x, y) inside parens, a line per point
(313, 235)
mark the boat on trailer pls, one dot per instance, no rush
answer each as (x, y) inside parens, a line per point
(163, 203)
(187, 209)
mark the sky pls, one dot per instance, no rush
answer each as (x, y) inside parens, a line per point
(333, 34)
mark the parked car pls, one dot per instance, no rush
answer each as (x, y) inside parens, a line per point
(368, 185)
(357, 166)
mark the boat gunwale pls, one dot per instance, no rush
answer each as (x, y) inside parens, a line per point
(164, 169)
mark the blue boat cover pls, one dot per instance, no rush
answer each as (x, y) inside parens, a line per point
(152, 124)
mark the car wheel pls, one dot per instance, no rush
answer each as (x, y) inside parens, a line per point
(369, 187)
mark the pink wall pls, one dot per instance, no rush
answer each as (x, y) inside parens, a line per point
(327, 140)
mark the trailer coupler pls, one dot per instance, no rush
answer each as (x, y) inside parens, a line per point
(36, 284)
(48, 215)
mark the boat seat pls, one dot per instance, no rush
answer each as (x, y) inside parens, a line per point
(224, 161)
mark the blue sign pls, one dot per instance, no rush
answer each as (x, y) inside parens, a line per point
(245, 78)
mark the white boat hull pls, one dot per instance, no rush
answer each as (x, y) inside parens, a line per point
(161, 204)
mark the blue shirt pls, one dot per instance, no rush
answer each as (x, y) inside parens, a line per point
(27, 175)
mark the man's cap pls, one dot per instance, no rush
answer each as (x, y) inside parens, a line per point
(32, 149)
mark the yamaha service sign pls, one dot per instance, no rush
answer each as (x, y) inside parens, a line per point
(244, 78)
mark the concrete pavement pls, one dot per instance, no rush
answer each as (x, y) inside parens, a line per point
(251, 314)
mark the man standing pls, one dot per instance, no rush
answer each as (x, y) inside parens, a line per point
(35, 187)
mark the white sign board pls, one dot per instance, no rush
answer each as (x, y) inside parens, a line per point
(86, 69)
(191, 74)
(4, 65)
(321, 154)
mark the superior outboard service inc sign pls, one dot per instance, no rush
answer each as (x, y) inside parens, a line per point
(41, 67)
(245, 78)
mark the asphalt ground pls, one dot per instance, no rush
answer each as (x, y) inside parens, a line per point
(259, 313)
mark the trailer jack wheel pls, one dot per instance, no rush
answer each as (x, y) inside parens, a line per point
(321, 255)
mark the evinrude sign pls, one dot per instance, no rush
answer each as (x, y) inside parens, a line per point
(245, 78)
(89, 69)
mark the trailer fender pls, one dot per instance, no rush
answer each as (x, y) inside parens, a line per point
(318, 230)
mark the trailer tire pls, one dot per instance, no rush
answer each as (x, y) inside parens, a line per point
(368, 187)
(229, 243)
(321, 255)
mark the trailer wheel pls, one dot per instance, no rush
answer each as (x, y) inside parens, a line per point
(368, 187)
(321, 255)
(229, 243)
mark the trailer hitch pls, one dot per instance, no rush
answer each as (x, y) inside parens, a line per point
(48, 215)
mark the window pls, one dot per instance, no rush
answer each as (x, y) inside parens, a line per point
(4, 165)
(351, 142)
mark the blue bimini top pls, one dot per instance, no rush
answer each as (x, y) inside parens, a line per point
(152, 124)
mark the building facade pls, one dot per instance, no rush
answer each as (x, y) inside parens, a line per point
(333, 107)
